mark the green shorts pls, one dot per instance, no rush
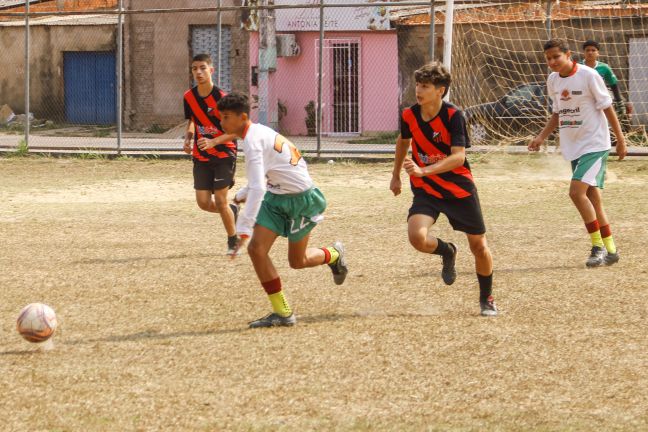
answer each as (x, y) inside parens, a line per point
(590, 168)
(292, 215)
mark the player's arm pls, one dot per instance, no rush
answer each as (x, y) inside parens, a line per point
(551, 126)
(613, 121)
(188, 138)
(455, 160)
(207, 143)
(190, 130)
(402, 146)
(256, 187)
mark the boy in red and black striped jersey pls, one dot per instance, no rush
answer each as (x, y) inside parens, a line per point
(441, 179)
(213, 152)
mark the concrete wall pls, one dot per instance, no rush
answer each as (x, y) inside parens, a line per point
(46, 65)
(158, 60)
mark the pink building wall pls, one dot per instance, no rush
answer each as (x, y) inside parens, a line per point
(295, 80)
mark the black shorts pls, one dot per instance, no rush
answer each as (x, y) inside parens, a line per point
(215, 174)
(464, 214)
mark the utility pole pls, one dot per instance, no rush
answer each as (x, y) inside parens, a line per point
(267, 64)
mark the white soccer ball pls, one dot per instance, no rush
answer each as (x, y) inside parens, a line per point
(331, 162)
(36, 322)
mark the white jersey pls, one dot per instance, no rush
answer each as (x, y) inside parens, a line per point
(579, 100)
(271, 163)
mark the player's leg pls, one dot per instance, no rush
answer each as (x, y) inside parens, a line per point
(588, 171)
(421, 238)
(222, 180)
(304, 212)
(205, 201)
(228, 214)
(259, 251)
(484, 267)
(595, 197)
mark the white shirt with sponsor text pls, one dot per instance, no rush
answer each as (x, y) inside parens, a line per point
(272, 163)
(579, 100)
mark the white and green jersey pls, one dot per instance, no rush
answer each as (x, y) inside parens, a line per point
(272, 163)
(579, 100)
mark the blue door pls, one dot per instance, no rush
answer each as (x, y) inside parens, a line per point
(90, 87)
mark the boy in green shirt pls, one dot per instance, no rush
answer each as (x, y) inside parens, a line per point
(591, 53)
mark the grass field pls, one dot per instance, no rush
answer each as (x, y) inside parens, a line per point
(153, 317)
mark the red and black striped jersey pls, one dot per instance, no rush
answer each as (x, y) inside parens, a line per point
(203, 112)
(431, 142)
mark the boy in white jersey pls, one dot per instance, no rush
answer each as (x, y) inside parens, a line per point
(281, 200)
(581, 105)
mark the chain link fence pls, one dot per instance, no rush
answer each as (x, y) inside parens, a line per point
(108, 76)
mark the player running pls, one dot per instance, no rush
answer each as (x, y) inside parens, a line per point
(281, 201)
(213, 153)
(441, 179)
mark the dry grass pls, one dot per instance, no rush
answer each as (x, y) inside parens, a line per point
(153, 317)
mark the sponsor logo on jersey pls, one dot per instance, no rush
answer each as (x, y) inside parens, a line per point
(577, 92)
(564, 96)
(208, 130)
(431, 159)
(570, 123)
(565, 111)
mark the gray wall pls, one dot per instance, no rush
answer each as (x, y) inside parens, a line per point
(46, 63)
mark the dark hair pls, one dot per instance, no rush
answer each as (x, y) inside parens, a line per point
(557, 43)
(202, 58)
(434, 73)
(235, 102)
(592, 43)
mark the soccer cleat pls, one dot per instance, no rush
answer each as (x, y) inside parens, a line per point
(448, 272)
(597, 257)
(231, 246)
(274, 320)
(235, 209)
(488, 307)
(612, 258)
(339, 268)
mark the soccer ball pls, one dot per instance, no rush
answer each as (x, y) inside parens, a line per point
(36, 322)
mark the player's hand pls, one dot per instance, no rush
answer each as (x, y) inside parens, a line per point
(238, 201)
(186, 147)
(535, 144)
(412, 169)
(205, 143)
(396, 185)
(621, 147)
(240, 244)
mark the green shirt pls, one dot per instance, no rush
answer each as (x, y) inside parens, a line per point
(606, 73)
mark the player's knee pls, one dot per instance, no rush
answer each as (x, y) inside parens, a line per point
(203, 204)
(254, 250)
(576, 195)
(296, 263)
(418, 241)
(479, 249)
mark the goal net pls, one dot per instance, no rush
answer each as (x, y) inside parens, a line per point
(500, 70)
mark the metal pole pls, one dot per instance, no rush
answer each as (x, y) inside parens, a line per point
(120, 55)
(318, 110)
(220, 35)
(548, 22)
(27, 70)
(447, 38)
(432, 38)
